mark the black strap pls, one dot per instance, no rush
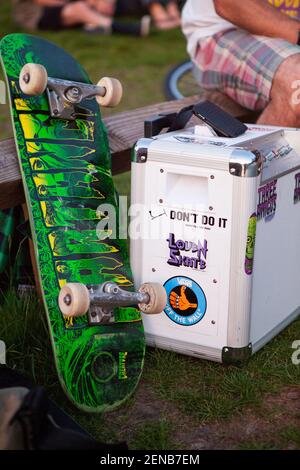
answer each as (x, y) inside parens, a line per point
(171, 121)
(177, 121)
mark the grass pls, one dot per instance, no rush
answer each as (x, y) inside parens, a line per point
(177, 395)
(154, 436)
(287, 438)
(209, 392)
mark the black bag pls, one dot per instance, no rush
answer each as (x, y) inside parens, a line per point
(30, 420)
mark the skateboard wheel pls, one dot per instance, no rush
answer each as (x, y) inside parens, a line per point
(114, 92)
(158, 298)
(74, 300)
(33, 79)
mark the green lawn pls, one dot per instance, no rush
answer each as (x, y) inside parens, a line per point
(181, 402)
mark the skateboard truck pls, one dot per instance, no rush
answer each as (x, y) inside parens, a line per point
(99, 301)
(65, 95)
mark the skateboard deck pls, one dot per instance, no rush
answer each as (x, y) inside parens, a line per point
(66, 172)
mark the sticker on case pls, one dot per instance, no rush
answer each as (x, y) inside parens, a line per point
(187, 302)
(250, 245)
(267, 201)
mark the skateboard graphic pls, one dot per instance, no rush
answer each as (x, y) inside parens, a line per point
(86, 282)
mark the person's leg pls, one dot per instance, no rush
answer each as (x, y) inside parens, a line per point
(160, 15)
(173, 10)
(284, 107)
(80, 12)
(254, 71)
(104, 7)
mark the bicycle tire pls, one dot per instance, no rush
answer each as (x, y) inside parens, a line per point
(180, 81)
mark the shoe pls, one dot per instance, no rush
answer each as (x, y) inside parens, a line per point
(103, 30)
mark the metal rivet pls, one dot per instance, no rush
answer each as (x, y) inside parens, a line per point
(161, 201)
(212, 177)
(93, 314)
(215, 281)
(213, 322)
(153, 270)
(161, 170)
(143, 158)
(211, 208)
(232, 170)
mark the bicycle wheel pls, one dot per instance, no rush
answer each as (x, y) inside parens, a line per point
(180, 81)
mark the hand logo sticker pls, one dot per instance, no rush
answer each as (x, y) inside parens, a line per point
(180, 302)
(186, 301)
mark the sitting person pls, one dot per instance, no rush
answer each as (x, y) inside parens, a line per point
(250, 51)
(165, 14)
(92, 15)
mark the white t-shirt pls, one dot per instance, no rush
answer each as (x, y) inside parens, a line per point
(200, 19)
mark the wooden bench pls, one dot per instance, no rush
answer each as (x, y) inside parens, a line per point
(124, 129)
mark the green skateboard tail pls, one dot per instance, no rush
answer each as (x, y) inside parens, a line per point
(66, 173)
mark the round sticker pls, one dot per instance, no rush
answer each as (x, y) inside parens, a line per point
(186, 301)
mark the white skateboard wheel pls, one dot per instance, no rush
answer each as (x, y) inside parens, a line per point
(158, 298)
(74, 300)
(33, 79)
(113, 93)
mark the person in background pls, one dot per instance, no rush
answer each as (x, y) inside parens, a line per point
(250, 50)
(95, 16)
(165, 14)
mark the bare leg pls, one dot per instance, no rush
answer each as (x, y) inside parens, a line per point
(284, 107)
(161, 17)
(173, 10)
(104, 7)
(80, 12)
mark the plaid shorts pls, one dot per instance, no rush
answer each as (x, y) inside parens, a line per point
(241, 65)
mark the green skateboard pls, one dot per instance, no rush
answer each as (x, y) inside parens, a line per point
(85, 277)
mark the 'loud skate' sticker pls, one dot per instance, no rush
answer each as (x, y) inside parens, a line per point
(187, 303)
